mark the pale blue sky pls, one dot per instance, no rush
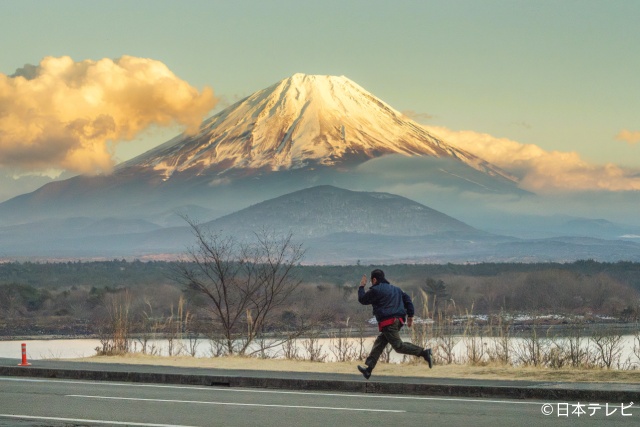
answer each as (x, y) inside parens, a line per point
(560, 74)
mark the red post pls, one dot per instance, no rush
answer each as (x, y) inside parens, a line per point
(24, 356)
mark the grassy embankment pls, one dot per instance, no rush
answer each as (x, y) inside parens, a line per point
(414, 369)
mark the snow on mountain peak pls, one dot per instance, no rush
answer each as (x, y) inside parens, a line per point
(303, 120)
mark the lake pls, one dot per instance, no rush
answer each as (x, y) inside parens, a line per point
(77, 348)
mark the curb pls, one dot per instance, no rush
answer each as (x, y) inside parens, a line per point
(542, 391)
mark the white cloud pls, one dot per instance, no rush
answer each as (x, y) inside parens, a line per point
(542, 171)
(63, 114)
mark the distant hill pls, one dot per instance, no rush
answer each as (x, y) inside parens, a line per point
(334, 225)
(324, 210)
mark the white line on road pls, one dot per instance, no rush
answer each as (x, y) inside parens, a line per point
(301, 393)
(79, 420)
(234, 403)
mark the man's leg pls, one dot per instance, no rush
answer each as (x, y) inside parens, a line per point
(376, 351)
(392, 334)
(378, 347)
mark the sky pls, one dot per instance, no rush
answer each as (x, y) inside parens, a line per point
(546, 89)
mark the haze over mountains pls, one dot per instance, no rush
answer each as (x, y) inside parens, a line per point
(283, 158)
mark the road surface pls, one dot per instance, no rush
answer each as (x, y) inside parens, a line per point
(50, 402)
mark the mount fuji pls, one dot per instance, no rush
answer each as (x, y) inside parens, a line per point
(306, 145)
(303, 131)
(304, 121)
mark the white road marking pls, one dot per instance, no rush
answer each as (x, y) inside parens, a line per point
(246, 390)
(234, 403)
(79, 420)
(302, 393)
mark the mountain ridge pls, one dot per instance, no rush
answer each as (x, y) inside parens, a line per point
(325, 209)
(302, 121)
(393, 231)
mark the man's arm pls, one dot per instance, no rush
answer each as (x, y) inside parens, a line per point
(364, 298)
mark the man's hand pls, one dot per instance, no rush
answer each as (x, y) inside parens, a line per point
(409, 321)
(363, 281)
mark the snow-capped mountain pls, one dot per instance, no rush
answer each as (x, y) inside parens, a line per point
(303, 121)
(303, 131)
(316, 154)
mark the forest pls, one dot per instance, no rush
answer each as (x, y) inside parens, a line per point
(76, 298)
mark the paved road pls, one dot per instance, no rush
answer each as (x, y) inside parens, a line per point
(107, 394)
(50, 402)
(453, 387)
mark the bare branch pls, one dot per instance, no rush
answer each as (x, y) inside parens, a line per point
(242, 282)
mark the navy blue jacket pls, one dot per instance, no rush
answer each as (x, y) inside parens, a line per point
(388, 301)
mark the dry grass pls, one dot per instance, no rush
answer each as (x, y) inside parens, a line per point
(418, 369)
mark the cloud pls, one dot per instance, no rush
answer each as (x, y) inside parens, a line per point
(542, 171)
(632, 137)
(418, 117)
(63, 114)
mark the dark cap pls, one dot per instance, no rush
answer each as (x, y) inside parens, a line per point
(379, 276)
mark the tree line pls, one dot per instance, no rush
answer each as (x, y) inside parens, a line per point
(136, 273)
(80, 298)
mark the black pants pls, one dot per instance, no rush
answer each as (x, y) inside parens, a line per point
(391, 335)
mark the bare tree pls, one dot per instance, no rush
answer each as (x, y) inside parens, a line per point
(445, 340)
(313, 347)
(438, 292)
(608, 345)
(342, 346)
(579, 352)
(243, 283)
(115, 333)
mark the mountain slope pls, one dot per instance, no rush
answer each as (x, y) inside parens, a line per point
(302, 121)
(325, 210)
(335, 226)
